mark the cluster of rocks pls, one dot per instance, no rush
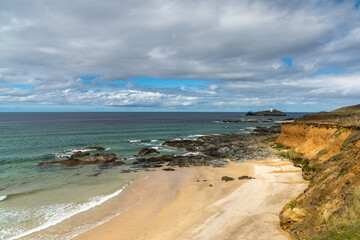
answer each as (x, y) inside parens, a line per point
(215, 150)
(227, 179)
(210, 150)
(235, 147)
(264, 131)
(85, 158)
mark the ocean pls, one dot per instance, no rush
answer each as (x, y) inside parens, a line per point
(56, 202)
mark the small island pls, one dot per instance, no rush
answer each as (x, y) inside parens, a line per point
(271, 112)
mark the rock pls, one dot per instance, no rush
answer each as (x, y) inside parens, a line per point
(168, 169)
(210, 185)
(118, 163)
(157, 166)
(67, 162)
(79, 154)
(163, 158)
(248, 120)
(147, 151)
(246, 177)
(226, 178)
(267, 130)
(290, 216)
(95, 148)
(274, 112)
(99, 158)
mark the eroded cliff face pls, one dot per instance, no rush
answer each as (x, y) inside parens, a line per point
(331, 161)
(314, 140)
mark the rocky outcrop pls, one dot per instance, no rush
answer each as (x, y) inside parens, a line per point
(236, 147)
(97, 148)
(148, 151)
(248, 120)
(274, 112)
(94, 158)
(99, 158)
(80, 154)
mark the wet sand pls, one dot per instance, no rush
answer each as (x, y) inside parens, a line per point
(194, 203)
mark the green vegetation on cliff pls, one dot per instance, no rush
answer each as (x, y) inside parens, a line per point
(345, 115)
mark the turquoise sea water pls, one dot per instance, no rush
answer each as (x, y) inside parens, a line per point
(34, 198)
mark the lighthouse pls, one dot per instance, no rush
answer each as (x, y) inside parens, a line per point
(271, 110)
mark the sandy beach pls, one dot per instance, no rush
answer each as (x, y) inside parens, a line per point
(194, 203)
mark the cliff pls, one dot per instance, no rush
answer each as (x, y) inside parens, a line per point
(329, 155)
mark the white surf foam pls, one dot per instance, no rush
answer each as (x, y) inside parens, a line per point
(191, 154)
(135, 141)
(55, 214)
(3, 197)
(197, 135)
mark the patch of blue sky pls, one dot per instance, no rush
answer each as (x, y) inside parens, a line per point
(25, 87)
(329, 72)
(357, 4)
(288, 62)
(171, 83)
(161, 83)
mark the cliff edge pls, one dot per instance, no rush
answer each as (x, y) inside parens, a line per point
(329, 154)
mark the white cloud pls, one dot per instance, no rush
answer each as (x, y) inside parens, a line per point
(240, 44)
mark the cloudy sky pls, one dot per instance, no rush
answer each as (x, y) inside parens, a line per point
(179, 55)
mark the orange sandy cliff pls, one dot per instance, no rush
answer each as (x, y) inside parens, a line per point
(328, 152)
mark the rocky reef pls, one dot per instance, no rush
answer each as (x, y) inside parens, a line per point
(211, 150)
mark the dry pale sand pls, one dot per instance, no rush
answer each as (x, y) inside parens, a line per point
(182, 205)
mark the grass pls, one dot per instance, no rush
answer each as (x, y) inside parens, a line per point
(323, 152)
(293, 203)
(280, 146)
(337, 157)
(270, 139)
(345, 231)
(346, 226)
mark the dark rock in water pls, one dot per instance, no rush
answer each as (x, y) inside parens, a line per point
(246, 177)
(267, 130)
(99, 158)
(95, 174)
(135, 163)
(168, 169)
(79, 154)
(182, 144)
(227, 179)
(273, 112)
(95, 148)
(67, 162)
(148, 151)
(248, 120)
(118, 163)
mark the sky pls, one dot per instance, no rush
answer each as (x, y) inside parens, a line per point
(179, 55)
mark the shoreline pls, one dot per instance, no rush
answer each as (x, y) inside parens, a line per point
(181, 205)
